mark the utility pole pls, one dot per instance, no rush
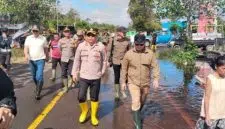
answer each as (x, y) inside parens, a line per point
(57, 18)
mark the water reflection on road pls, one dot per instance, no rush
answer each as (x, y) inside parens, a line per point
(173, 82)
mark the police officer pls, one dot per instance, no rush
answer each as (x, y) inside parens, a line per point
(68, 47)
(136, 68)
(117, 48)
(79, 36)
(5, 50)
(105, 38)
(90, 61)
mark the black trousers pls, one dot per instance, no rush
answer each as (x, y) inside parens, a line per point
(55, 62)
(5, 60)
(66, 68)
(116, 69)
(94, 89)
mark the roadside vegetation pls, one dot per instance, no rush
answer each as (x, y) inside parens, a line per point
(186, 55)
(17, 56)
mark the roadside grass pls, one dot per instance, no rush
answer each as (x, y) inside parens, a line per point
(17, 56)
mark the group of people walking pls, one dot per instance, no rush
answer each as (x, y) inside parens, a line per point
(84, 60)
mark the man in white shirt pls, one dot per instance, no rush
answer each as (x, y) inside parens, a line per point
(36, 53)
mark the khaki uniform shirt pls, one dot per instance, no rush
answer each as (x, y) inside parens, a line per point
(90, 61)
(137, 68)
(68, 48)
(119, 50)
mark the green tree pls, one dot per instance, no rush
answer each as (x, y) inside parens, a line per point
(69, 18)
(30, 11)
(142, 15)
(82, 24)
(44, 13)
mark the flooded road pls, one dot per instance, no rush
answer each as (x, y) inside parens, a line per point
(181, 85)
(175, 105)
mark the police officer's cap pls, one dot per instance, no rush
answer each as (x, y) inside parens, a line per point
(139, 39)
(80, 32)
(92, 31)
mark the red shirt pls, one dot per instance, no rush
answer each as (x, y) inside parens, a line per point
(56, 53)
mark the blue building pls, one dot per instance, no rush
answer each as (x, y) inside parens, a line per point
(165, 35)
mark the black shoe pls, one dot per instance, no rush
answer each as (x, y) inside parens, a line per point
(37, 97)
(38, 91)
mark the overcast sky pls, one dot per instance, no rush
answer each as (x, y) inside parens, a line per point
(107, 11)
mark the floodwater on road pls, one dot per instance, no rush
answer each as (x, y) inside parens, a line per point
(181, 85)
(175, 105)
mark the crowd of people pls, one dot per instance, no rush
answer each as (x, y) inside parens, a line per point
(84, 58)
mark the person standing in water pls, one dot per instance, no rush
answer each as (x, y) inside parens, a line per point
(91, 62)
(136, 73)
(117, 48)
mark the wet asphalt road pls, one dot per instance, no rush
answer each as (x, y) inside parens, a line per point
(163, 109)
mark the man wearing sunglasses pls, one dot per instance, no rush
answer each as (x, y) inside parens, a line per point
(68, 47)
(36, 53)
(90, 61)
(137, 65)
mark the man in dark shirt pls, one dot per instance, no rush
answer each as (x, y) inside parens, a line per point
(5, 49)
(7, 101)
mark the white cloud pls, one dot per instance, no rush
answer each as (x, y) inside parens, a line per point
(115, 13)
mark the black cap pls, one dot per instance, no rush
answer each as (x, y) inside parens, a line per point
(121, 29)
(66, 29)
(139, 39)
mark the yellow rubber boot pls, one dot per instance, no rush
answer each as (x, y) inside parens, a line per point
(84, 111)
(94, 110)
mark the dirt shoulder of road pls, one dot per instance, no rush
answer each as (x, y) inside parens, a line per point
(18, 60)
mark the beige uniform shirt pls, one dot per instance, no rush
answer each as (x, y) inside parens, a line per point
(137, 68)
(68, 48)
(119, 48)
(90, 61)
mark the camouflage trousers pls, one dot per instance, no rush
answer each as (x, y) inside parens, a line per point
(215, 124)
